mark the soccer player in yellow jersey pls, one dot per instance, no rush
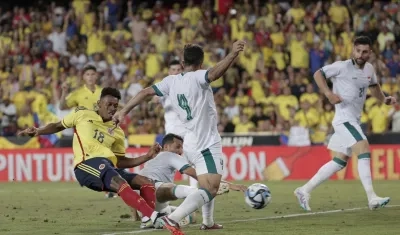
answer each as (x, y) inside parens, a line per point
(86, 96)
(99, 154)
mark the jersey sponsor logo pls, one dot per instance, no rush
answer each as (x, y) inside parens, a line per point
(237, 141)
(91, 121)
(101, 167)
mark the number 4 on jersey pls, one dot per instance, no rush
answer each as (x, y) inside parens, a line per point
(183, 103)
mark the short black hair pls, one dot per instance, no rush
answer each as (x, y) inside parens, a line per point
(111, 92)
(363, 40)
(169, 138)
(174, 62)
(193, 54)
(89, 67)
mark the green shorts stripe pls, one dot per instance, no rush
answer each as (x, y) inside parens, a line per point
(208, 158)
(353, 131)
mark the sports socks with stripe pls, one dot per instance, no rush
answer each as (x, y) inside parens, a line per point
(364, 172)
(182, 191)
(324, 173)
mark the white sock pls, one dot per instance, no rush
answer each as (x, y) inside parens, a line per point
(364, 171)
(208, 213)
(172, 208)
(182, 191)
(192, 182)
(324, 173)
(192, 202)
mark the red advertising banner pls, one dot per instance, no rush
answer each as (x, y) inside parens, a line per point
(246, 163)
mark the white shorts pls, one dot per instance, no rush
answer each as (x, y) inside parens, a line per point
(346, 135)
(208, 160)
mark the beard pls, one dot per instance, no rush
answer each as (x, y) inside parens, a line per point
(360, 62)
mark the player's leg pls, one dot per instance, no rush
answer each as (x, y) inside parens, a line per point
(146, 191)
(209, 173)
(171, 192)
(362, 151)
(339, 161)
(99, 174)
(192, 182)
(144, 184)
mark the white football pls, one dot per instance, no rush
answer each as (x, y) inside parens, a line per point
(258, 196)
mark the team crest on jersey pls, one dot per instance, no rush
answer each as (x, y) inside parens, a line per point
(101, 167)
(111, 131)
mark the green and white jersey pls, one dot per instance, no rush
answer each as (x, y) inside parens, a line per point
(192, 99)
(351, 84)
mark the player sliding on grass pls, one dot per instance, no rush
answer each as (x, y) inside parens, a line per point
(351, 79)
(99, 150)
(161, 170)
(192, 98)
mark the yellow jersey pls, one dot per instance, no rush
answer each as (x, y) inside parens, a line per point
(93, 137)
(84, 97)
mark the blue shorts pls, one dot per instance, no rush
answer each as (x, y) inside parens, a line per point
(96, 174)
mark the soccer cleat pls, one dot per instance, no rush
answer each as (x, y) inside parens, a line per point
(158, 223)
(303, 198)
(378, 202)
(223, 188)
(215, 226)
(171, 226)
(147, 224)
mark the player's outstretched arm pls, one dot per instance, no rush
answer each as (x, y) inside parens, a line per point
(220, 68)
(133, 102)
(46, 130)
(124, 162)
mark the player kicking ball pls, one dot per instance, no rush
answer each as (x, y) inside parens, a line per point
(351, 79)
(192, 98)
(99, 152)
(162, 169)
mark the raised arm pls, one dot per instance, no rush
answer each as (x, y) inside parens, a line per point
(64, 97)
(159, 89)
(220, 68)
(141, 96)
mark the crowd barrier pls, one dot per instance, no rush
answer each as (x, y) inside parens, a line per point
(261, 163)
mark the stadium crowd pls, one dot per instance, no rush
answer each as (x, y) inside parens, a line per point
(269, 89)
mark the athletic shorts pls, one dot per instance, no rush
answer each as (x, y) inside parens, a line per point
(91, 174)
(208, 161)
(346, 135)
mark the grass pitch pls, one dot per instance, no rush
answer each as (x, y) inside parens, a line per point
(66, 208)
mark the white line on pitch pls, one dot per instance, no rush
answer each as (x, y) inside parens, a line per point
(255, 219)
